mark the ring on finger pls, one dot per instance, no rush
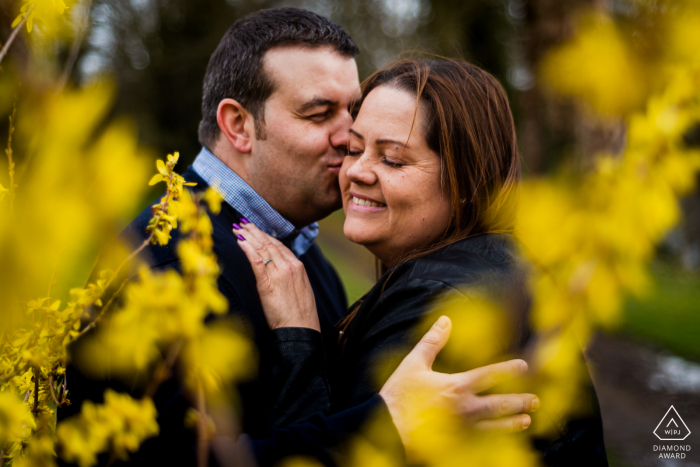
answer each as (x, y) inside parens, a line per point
(265, 261)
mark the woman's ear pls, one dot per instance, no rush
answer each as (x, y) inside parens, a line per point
(235, 124)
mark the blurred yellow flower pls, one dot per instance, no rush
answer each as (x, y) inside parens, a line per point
(598, 67)
(121, 423)
(16, 421)
(40, 11)
(218, 358)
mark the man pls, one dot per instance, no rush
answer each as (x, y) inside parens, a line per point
(276, 113)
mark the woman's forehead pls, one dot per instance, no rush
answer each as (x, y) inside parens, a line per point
(389, 113)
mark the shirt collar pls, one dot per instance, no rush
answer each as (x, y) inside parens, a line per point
(241, 196)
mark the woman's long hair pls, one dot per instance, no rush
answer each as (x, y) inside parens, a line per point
(467, 121)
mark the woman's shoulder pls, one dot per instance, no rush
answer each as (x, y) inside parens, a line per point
(473, 259)
(487, 265)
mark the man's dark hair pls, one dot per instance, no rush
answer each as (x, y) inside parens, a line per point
(235, 69)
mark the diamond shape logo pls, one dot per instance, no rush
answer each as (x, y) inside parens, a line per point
(672, 427)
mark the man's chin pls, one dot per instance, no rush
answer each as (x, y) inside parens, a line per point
(329, 206)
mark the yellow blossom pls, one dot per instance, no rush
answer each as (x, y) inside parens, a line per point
(40, 11)
(121, 423)
(16, 421)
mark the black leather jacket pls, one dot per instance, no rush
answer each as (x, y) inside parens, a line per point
(393, 316)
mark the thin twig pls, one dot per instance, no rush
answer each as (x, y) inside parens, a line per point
(75, 48)
(12, 37)
(102, 312)
(7, 378)
(53, 394)
(163, 207)
(163, 370)
(53, 273)
(128, 259)
(202, 428)
(9, 153)
(112, 459)
(94, 322)
(35, 410)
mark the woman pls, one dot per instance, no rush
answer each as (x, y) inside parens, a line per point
(429, 186)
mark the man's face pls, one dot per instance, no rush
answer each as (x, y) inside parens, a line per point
(295, 168)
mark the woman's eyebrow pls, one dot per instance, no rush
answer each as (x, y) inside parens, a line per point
(391, 141)
(356, 134)
(381, 140)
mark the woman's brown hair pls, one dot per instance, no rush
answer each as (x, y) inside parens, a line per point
(466, 119)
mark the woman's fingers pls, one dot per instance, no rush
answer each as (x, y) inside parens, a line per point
(265, 248)
(508, 424)
(251, 229)
(286, 252)
(256, 261)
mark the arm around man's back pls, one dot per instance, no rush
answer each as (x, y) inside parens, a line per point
(325, 436)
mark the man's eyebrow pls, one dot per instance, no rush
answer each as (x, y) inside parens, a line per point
(316, 102)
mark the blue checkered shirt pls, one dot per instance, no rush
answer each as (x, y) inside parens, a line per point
(251, 205)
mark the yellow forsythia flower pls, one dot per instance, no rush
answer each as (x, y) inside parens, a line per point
(40, 11)
(121, 423)
(16, 421)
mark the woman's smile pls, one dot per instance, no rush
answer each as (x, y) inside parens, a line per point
(365, 203)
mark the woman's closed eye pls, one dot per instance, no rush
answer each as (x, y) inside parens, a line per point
(354, 152)
(391, 162)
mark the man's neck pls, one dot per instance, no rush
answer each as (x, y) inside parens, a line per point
(233, 160)
(236, 162)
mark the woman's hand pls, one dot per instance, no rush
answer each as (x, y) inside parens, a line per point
(284, 288)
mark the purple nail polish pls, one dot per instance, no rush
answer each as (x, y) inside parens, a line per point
(236, 226)
(240, 237)
(244, 221)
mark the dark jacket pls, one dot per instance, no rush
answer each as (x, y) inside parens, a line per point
(393, 316)
(290, 385)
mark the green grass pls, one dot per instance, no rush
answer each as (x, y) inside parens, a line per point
(670, 316)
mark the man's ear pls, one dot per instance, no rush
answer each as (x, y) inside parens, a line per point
(235, 124)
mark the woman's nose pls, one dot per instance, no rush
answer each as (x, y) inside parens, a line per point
(361, 171)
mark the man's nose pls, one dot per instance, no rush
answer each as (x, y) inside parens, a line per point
(340, 136)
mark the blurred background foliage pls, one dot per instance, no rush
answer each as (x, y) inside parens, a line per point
(157, 51)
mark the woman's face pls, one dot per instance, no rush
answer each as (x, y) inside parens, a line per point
(390, 180)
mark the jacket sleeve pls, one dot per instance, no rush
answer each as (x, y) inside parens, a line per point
(325, 437)
(296, 380)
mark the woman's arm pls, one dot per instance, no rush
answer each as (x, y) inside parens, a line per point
(325, 436)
